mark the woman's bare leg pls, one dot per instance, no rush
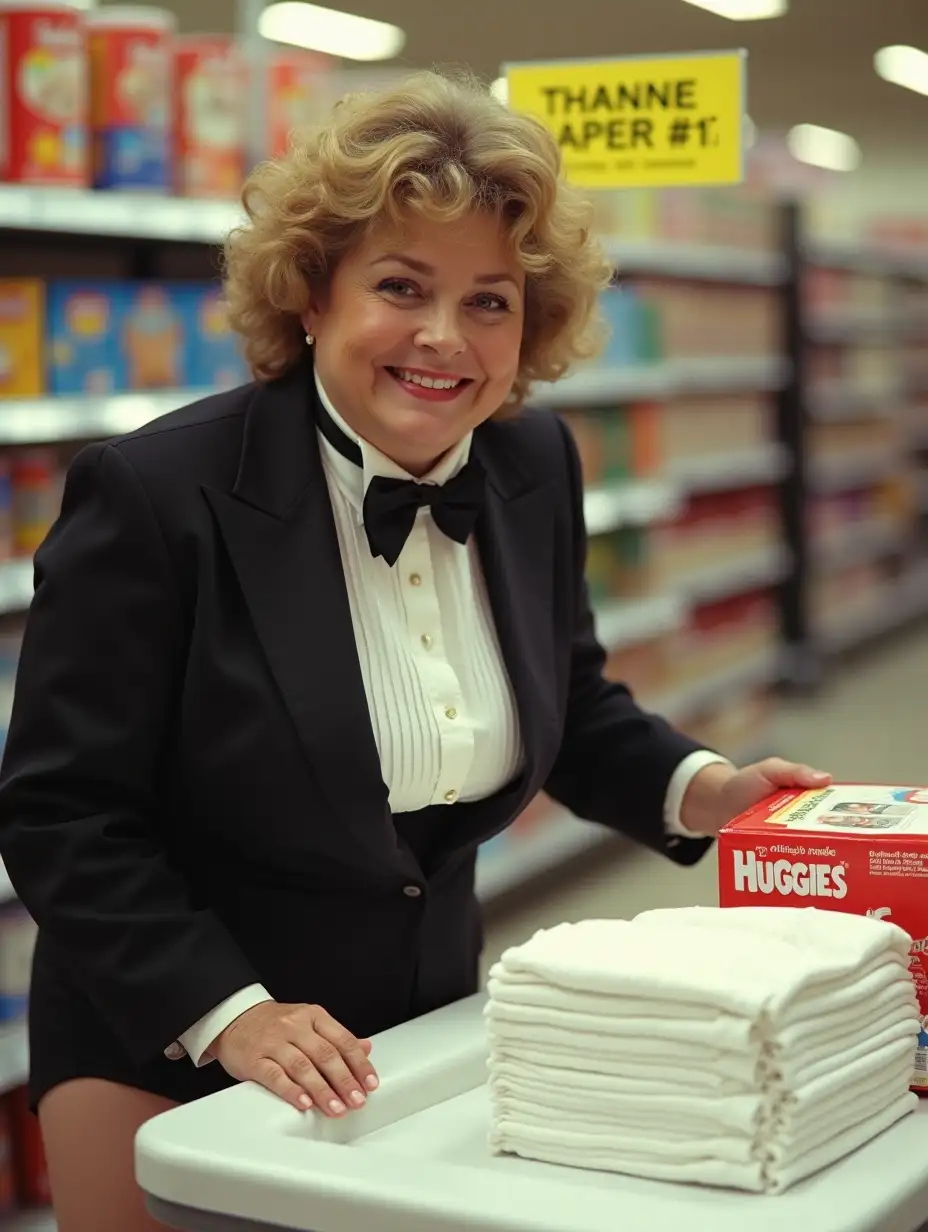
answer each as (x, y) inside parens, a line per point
(89, 1127)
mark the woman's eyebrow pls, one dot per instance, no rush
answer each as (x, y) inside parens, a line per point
(422, 267)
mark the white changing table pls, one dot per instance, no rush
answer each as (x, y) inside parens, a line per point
(415, 1160)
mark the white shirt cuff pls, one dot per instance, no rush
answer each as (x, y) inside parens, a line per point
(195, 1042)
(680, 780)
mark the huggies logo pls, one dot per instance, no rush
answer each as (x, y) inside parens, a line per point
(786, 877)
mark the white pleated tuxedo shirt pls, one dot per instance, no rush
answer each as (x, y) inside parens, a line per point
(442, 708)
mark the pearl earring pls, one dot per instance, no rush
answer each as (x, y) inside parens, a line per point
(310, 339)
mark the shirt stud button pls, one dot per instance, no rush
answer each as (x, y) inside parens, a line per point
(451, 713)
(412, 891)
(451, 796)
(426, 641)
(415, 579)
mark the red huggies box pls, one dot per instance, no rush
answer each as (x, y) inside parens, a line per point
(861, 849)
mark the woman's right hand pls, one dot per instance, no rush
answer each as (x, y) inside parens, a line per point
(301, 1054)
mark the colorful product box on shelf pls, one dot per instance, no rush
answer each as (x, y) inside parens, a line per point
(587, 431)
(17, 942)
(633, 328)
(6, 506)
(130, 97)
(296, 94)
(43, 94)
(84, 355)
(212, 352)
(152, 336)
(38, 481)
(210, 116)
(22, 315)
(860, 849)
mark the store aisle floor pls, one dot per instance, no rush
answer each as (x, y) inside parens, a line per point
(869, 724)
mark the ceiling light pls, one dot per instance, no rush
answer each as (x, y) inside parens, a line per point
(500, 89)
(823, 147)
(743, 10)
(903, 66)
(330, 31)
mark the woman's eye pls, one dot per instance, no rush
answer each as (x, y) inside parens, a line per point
(396, 286)
(486, 301)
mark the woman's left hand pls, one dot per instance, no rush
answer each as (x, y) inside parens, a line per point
(718, 793)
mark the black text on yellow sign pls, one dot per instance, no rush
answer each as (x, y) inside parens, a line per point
(640, 121)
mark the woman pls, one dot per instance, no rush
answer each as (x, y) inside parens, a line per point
(297, 650)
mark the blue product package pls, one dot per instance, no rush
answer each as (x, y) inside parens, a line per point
(152, 337)
(132, 158)
(214, 358)
(622, 310)
(82, 326)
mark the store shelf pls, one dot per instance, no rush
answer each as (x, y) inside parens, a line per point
(633, 502)
(901, 601)
(626, 622)
(858, 544)
(716, 689)
(837, 402)
(33, 420)
(711, 583)
(14, 1055)
(842, 474)
(132, 215)
(29, 1221)
(520, 858)
(862, 260)
(664, 379)
(699, 261)
(15, 585)
(720, 472)
(851, 330)
(7, 893)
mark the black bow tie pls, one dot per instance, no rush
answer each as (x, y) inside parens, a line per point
(391, 505)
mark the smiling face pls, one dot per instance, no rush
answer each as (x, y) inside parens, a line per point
(418, 335)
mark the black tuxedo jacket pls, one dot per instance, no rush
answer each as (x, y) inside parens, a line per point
(191, 798)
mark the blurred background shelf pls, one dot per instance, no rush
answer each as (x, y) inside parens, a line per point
(25, 421)
(29, 1221)
(14, 1055)
(700, 261)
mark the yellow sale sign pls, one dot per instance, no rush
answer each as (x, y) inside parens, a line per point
(640, 121)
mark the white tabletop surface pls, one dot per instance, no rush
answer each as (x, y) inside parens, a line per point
(415, 1160)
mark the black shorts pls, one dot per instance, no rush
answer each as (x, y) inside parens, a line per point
(68, 1039)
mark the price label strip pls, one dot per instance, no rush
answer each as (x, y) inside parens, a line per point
(640, 121)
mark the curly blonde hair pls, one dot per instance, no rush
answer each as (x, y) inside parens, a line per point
(433, 145)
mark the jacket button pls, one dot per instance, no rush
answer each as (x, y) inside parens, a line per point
(412, 891)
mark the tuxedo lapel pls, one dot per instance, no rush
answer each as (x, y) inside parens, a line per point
(515, 539)
(279, 530)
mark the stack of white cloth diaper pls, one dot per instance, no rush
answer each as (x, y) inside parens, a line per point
(745, 1047)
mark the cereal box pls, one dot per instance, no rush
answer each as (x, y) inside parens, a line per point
(151, 337)
(84, 356)
(296, 94)
(22, 303)
(209, 119)
(213, 357)
(130, 97)
(43, 94)
(862, 849)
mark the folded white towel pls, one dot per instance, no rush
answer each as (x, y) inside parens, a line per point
(662, 955)
(591, 1046)
(871, 987)
(758, 1175)
(670, 1115)
(641, 1069)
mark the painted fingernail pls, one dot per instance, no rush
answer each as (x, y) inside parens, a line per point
(305, 1102)
(371, 1082)
(357, 1098)
(336, 1106)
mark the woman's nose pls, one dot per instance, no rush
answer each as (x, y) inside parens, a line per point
(440, 331)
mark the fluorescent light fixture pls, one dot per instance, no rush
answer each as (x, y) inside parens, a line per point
(823, 147)
(903, 66)
(743, 10)
(500, 89)
(330, 31)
